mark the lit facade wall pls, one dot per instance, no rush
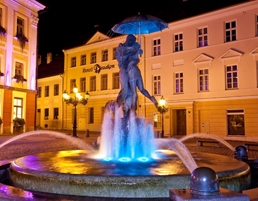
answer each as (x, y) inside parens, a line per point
(18, 62)
(209, 74)
(52, 102)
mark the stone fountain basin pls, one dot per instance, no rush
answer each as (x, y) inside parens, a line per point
(78, 172)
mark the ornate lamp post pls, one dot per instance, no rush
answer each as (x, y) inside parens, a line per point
(162, 108)
(77, 99)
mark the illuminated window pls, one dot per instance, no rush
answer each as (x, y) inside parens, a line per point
(157, 85)
(156, 47)
(72, 85)
(179, 82)
(230, 31)
(17, 108)
(46, 91)
(231, 77)
(202, 37)
(236, 122)
(157, 120)
(93, 83)
(83, 84)
(104, 81)
(93, 57)
(73, 61)
(178, 42)
(203, 79)
(115, 81)
(56, 89)
(18, 68)
(20, 26)
(83, 59)
(104, 55)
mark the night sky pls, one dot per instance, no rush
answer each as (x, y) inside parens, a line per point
(66, 24)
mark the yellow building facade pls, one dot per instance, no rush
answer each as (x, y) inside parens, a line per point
(18, 42)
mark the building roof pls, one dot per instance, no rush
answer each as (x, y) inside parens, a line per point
(53, 68)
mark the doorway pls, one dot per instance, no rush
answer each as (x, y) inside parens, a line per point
(181, 122)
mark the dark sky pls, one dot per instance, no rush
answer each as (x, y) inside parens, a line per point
(70, 23)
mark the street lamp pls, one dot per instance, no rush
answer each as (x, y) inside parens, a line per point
(162, 108)
(77, 99)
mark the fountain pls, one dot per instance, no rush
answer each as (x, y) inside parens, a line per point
(130, 163)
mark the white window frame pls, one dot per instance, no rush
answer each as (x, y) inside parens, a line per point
(104, 55)
(83, 84)
(93, 81)
(83, 59)
(156, 47)
(203, 77)
(231, 31)
(178, 42)
(157, 85)
(179, 83)
(104, 82)
(202, 36)
(115, 81)
(231, 76)
(73, 62)
(93, 57)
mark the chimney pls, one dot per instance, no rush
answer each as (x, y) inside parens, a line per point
(49, 57)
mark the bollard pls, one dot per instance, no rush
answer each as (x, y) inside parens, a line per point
(240, 153)
(87, 133)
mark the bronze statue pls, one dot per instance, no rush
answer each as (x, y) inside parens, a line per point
(127, 55)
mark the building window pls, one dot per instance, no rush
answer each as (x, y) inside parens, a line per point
(93, 83)
(17, 108)
(156, 47)
(230, 31)
(157, 120)
(91, 115)
(157, 85)
(204, 80)
(39, 92)
(46, 91)
(83, 59)
(56, 89)
(46, 113)
(93, 57)
(72, 85)
(73, 61)
(231, 77)
(179, 83)
(236, 122)
(115, 81)
(104, 55)
(178, 42)
(104, 81)
(56, 113)
(83, 84)
(114, 53)
(202, 37)
(20, 26)
(18, 68)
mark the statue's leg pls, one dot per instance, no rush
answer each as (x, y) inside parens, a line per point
(141, 88)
